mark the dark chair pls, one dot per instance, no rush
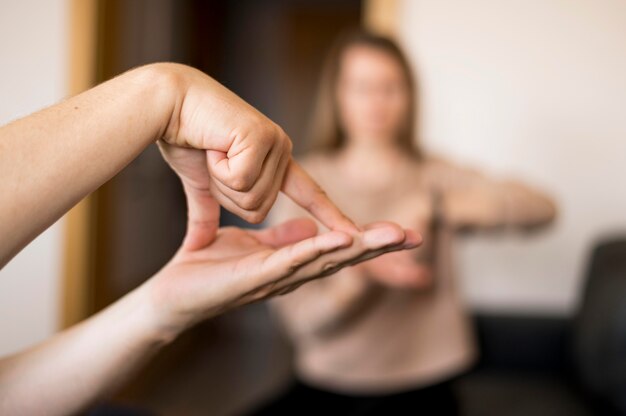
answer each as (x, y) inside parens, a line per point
(599, 333)
(555, 366)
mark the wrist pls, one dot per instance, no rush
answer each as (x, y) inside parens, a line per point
(165, 86)
(151, 317)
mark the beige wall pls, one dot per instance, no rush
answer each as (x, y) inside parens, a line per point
(536, 90)
(32, 75)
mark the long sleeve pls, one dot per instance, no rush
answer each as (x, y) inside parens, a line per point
(473, 201)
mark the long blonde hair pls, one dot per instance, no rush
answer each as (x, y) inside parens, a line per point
(325, 133)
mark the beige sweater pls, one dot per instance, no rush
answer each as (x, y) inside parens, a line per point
(353, 335)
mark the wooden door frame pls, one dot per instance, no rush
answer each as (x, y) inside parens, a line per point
(381, 16)
(79, 240)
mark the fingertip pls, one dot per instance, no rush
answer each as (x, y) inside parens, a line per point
(337, 239)
(412, 239)
(382, 235)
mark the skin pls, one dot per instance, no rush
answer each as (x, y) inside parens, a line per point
(373, 101)
(226, 153)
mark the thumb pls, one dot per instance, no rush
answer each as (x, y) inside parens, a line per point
(203, 218)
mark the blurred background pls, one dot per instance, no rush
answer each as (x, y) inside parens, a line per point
(534, 90)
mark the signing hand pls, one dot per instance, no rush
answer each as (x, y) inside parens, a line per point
(242, 266)
(406, 269)
(228, 153)
(399, 270)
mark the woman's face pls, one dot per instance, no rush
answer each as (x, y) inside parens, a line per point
(372, 94)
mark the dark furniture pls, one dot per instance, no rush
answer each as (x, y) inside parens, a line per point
(533, 365)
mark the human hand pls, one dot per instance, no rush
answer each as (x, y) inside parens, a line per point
(242, 266)
(406, 269)
(399, 270)
(228, 153)
(466, 210)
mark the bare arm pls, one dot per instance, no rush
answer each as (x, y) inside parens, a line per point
(225, 152)
(52, 159)
(68, 372)
(215, 141)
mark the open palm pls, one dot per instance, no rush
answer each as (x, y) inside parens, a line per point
(242, 266)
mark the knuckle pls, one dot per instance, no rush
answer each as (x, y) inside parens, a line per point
(266, 138)
(251, 201)
(294, 266)
(267, 132)
(330, 268)
(281, 134)
(287, 289)
(257, 122)
(266, 291)
(319, 195)
(240, 183)
(254, 217)
(288, 146)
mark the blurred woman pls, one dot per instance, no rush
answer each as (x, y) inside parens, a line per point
(388, 336)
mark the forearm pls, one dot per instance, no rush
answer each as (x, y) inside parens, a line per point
(527, 207)
(80, 365)
(506, 204)
(43, 156)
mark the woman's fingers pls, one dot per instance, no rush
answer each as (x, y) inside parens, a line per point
(304, 191)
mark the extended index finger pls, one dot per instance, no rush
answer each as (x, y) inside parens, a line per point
(304, 191)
